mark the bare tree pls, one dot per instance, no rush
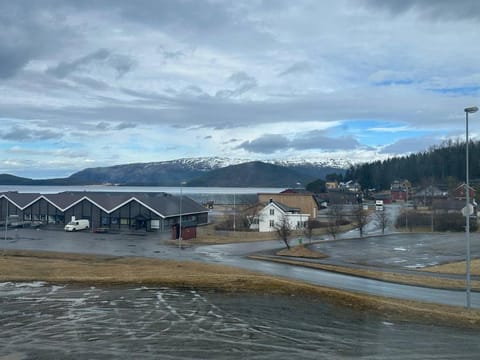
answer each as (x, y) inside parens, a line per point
(382, 220)
(284, 230)
(308, 229)
(335, 217)
(360, 217)
(250, 214)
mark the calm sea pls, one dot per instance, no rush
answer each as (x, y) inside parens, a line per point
(220, 195)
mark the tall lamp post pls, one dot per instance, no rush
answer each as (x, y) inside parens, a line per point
(468, 110)
(6, 221)
(299, 187)
(180, 221)
(234, 213)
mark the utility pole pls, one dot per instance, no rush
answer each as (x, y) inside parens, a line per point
(6, 221)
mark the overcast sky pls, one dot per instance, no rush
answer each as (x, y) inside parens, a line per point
(98, 83)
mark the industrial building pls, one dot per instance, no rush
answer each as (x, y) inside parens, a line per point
(105, 210)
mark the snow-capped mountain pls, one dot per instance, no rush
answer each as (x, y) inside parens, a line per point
(210, 163)
(174, 172)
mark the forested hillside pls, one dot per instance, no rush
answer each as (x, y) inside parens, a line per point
(442, 165)
(251, 174)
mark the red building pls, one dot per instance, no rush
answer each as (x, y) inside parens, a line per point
(399, 190)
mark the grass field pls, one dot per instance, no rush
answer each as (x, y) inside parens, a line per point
(90, 270)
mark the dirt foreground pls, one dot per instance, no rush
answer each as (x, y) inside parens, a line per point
(90, 270)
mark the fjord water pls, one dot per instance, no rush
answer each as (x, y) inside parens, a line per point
(42, 321)
(220, 195)
(168, 189)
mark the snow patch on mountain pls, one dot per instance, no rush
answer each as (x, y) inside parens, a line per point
(211, 163)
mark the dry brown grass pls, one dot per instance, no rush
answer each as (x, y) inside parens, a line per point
(208, 235)
(456, 268)
(302, 252)
(91, 270)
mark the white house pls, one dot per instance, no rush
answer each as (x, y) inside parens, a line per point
(271, 216)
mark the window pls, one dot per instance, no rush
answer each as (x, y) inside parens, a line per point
(272, 211)
(272, 223)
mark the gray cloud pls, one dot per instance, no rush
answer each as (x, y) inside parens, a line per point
(66, 68)
(171, 55)
(298, 68)
(28, 32)
(438, 9)
(121, 63)
(125, 125)
(57, 152)
(19, 133)
(266, 144)
(91, 83)
(224, 113)
(242, 83)
(104, 126)
(317, 140)
(410, 145)
(271, 143)
(12, 60)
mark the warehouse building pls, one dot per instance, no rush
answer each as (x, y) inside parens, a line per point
(105, 210)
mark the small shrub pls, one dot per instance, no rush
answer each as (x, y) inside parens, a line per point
(453, 222)
(441, 222)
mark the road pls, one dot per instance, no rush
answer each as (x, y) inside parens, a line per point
(231, 254)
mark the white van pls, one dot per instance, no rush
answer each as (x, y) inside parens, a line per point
(76, 225)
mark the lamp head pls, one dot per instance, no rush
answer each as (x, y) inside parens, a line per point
(471, 109)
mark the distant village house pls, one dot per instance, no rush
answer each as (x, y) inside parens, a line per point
(271, 216)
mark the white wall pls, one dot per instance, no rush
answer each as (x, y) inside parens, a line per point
(267, 219)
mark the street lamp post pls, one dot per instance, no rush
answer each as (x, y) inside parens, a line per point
(180, 221)
(6, 221)
(234, 213)
(469, 110)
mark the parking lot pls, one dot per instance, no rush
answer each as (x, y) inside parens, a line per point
(151, 244)
(405, 250)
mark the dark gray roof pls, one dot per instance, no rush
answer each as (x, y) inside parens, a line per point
(163, 204)
(63, 200)
(285, 208)
(21, 199)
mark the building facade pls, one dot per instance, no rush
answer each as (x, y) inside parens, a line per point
(271, 217)
(105, 210)
(303, 200)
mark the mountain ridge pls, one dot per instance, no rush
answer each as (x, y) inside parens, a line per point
(174, 172)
